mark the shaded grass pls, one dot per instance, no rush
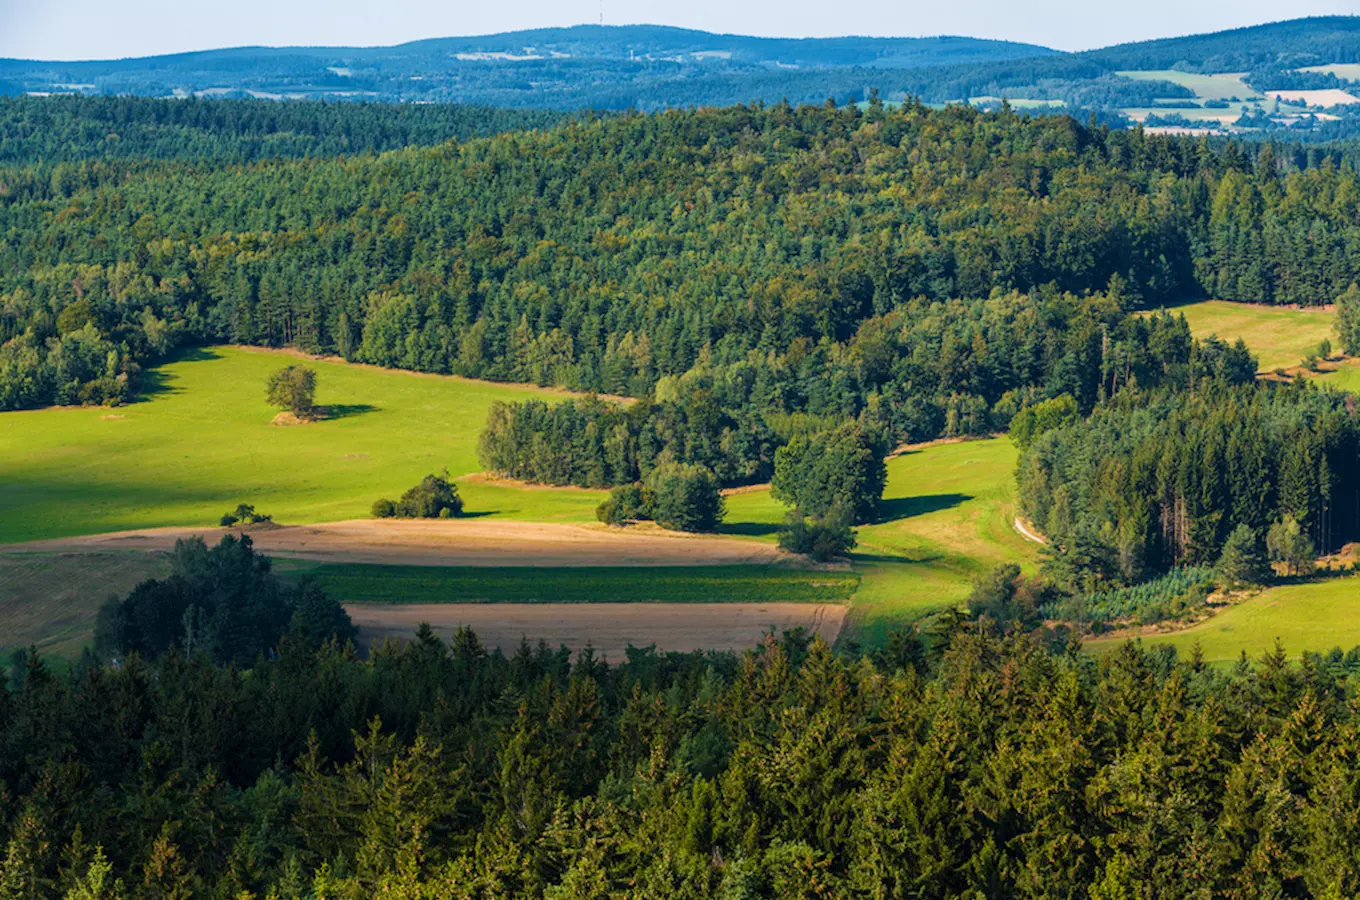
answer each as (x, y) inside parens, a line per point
(50, 600)
(1314, 616)
(201, 441)
(660, 584)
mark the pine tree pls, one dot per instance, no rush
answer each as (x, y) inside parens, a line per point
(1241, 563)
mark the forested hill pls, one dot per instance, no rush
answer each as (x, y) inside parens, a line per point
(1297, 42)
(609, 254)
(35, 130)
(643, 66)
(532, 254)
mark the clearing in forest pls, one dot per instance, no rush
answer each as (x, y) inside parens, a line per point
(1313, 616)
(1280, 336)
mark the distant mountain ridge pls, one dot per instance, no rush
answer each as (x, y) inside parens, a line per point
(649, 67)
(563, 68)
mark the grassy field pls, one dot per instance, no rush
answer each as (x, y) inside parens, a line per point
(1344, 71)
(1280, 337)
(1316, 616)
(1206, 87)
(663, 584)
(201, 442)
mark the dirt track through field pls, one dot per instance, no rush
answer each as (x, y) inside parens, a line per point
(450, 542)
(608, 627)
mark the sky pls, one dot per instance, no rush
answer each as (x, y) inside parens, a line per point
(105, 29)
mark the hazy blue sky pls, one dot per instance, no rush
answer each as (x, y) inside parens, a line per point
(84, 29)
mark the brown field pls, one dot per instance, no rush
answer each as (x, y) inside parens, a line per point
(450, 542)
(607, 627)
(50, 600)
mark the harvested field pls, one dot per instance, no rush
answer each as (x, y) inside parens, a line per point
(1323, 98)
(50, 600)
(610, 628)
(452, 542)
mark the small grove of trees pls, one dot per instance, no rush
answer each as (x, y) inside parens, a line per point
(223, 601)
(435, 497)
(839, 469)
(678, 496)
(243, 514)
(627, 503)
(293, 388)
(1047, 415)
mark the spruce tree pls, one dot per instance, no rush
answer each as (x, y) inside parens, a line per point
(1241, 563)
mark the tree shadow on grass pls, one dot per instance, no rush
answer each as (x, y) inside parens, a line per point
(477, 514)
(156, 382)
(907, 507)
(748, 529)
(332, 411)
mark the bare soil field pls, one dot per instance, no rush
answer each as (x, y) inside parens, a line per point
(449, 542)
(607, 627)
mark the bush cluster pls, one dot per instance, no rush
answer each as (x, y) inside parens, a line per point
(436, 497)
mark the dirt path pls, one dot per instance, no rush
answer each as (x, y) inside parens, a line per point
(1025, 532)
(451, 542)
(608, 627)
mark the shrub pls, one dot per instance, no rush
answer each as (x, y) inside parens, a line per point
(383, 509)
(820, 538)
(686, 497)
(627, 503)
(436, 497)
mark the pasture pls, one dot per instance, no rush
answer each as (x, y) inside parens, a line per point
(1281, 337)
(1313, 616)
(201, 441)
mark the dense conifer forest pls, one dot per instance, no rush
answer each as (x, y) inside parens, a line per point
(952, 763)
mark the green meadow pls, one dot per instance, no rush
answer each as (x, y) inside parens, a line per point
(947, 517)
(1314, 616)
(1206, 87)
(1279, 336)
(201, 440)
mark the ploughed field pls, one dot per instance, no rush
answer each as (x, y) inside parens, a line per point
(607, 628)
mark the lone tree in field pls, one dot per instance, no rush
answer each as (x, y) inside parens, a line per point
(838, 469)
(293, 388)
